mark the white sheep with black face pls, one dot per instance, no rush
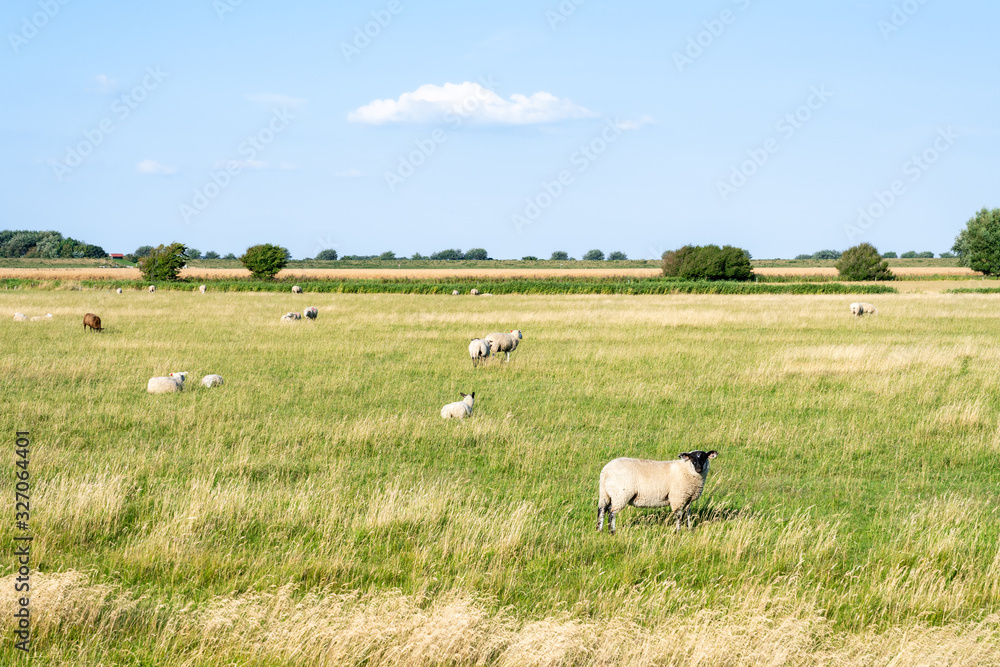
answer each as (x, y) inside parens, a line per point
(644, 483)
(459, 409)
(861, 308)
(311, 313)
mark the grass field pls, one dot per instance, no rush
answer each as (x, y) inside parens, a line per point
(317, 511)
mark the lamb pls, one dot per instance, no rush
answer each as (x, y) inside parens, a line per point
(20, 317)
(92, 321)
(474, 292)
(504, 342)
(291, 317)
(212, 381)
(479, 350)
(296, 289)
(202, 288)
(311, 313)
(119, 290)
(454, 292)
(166, 385)
(859, 309)
(643, 483)
(461, 409)
(152, 288)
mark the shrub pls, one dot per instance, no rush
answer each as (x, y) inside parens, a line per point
(889, 255)
(927, 254)
(826, 254)
(803, 257)
(617, 256)
(978, 245)
(947, 255)
(909, 254)
(529, 258)
(211, 254)
(327, 255)
(265, 260)
(387, 255)
(417, 255)
(163, 262)
(143, 251)
(476, 253)
(229, 255)
(708, 263)
(594, 256)
(448, 254)
(560, 255)
(193, 253)
(862, 262)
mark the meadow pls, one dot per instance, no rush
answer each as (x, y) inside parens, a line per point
(316, 510)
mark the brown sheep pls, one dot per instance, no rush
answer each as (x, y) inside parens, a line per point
(92, 321)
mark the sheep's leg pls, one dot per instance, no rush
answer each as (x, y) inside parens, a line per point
(600, 518)
(612, 521)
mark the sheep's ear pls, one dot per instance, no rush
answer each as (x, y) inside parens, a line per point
(684, 456)
(473, 394)
(712, 454)
(462, 395)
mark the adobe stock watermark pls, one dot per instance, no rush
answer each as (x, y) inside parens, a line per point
(249, 149)
(425, 147)
(48, 10)
(223, 7)
(900, 16)
(562, 12)
(913, 169)
(121, 108)
(787, 126)
(363, 35)
(714, 28)
(552, 190)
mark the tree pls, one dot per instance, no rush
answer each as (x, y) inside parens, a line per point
(594, 256)
(448, 254)
(265, 260)
(143, 251)
(327, 255)
(826, 254)
(927, 254)
(803, 257)
(708, 263)
(889, 255)
(862, 262)
(476, 253)
(193, 253)
(529, 258)
(909, 254)
(978, 245)
(387, 255)
(417, 255)
(229, 255)
(617, 256)
(560, 255)
(211, 254)
(163, 262)
(947, 255)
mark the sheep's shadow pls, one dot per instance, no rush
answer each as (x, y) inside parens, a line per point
(710, 509)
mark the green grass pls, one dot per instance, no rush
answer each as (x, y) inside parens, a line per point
(317, 510)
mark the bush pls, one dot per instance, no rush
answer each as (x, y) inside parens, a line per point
(862, 262)
(594, 256)
(803, 257)
(211, 254)
(978, 245)
(707, 263)
(417, 255)
(560, 255)
(327, 255)
(387, 256)
(927, 254)
(476, 253)
(909, 254)
(947, 255)
(529, 258)
(826, 254)
(889, 255)
(265, 260)
(229, 255)
(617, 256)
(193, 253)
(143, 251)
(448, 254)
(163, 262)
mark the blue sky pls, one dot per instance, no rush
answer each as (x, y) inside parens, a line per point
(520, 127)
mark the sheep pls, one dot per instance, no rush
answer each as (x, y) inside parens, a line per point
(859, 309)
(460, 409)
(92, 321)
(152, 288)
(119, 290)
(164, 385)
(504, 342)
(180, 376)
(291, 317)
(202, 288)
(311, 312)
(212, 381)
(296, 289)
(474, 292)
(479, 350)
(20, 317)
(454, 292)
(643, 483)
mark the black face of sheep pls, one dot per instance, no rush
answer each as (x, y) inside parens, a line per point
(698, 459)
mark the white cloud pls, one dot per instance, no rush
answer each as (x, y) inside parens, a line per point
(105, 84)
(350, 173)
(154, 168)
(254, 164)
(430, 103)
(277, 100)
(635, 124)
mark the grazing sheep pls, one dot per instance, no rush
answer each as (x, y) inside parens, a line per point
(152, 288)
(92, 321)
(474, 292)
(504, 342)
(454, 292)
(202, 288)
(20, 317)
(291, 317)
(643, 483)
(859, 309)
(311, 313)
(461, 409)
(212, 381)
(479, 350)
(296, 289)
(119, 290)
(164, 385)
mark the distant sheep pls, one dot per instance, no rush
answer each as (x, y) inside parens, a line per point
(859, 309)
(474, 292)
(212, 381)
(92, 321)
(202, 288)
(311, 313)
(119, 290)
(643, 483)
(504, 342)
(152, 288)
(479, 350)
(164, 385)
(291, 317)
(20, 317)
(460, 409)
(454, 292)
(296, 289)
